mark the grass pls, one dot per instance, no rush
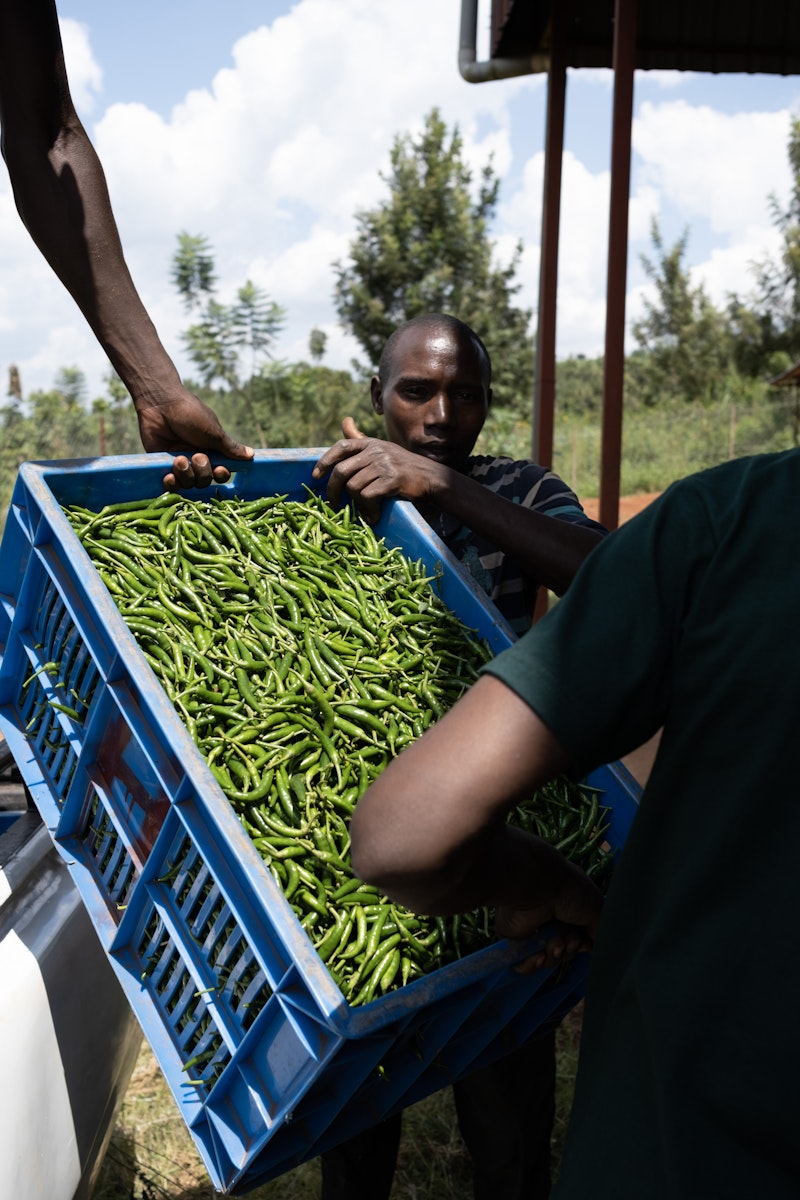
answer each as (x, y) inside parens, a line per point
(659, 445)
(152, 1157)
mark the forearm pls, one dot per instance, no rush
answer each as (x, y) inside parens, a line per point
(501, 868)
(62, 198)
(430, 831)
(548, 550)
(61, 195)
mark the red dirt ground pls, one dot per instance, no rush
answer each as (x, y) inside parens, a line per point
(629, 506)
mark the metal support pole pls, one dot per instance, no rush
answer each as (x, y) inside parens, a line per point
(545, 377)
(625, 15)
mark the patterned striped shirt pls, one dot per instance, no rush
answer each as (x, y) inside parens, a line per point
(499, 574)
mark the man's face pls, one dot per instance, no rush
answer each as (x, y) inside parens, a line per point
(435, 400)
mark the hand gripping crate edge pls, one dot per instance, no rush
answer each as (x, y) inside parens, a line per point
(268, 1064)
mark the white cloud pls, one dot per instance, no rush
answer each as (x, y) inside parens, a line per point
(270, 161)
(730, 268)
(303, 269)
(343, 80)
(712, 165)
(596, 76)
(667, 80)
(643, 206)
(715, 170)
(604, 77)
(85, 74)
(690, 158)
(274, 156)
(494, 148)
(583, 246)
(272, 164)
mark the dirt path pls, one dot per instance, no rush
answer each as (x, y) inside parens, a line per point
(629, 506)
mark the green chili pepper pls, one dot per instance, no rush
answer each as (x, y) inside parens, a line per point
(302, 654)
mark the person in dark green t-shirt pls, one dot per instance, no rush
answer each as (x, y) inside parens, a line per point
(685, 618)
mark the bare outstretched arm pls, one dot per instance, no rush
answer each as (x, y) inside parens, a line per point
(61, 195)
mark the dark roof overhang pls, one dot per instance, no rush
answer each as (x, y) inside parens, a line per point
(753, 36)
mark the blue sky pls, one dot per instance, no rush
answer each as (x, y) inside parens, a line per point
(156, 50)
(264, 125)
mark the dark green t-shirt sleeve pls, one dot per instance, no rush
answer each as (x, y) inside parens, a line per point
(597, 669)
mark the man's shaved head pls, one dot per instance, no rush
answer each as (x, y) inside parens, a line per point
(444, 321)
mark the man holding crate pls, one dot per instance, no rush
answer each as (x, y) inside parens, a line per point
(515, 526)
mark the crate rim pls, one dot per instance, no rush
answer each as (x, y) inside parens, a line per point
(345, 1019)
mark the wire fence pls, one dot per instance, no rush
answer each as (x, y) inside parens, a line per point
(659, 444)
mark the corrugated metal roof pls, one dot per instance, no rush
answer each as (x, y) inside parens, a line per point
(754, 36)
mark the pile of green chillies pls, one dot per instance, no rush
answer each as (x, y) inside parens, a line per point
(302, 654)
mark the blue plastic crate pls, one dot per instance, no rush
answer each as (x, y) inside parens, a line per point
(211, 956)
(7, 819)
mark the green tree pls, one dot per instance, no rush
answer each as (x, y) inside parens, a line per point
(229, 344)
(256, 322)
(774, 324)
(59, 425)
(193, 270)
(309, 402)
(579, 383)
(228, 341)
(753, 336)
(213, 345)
(684, 336)
(14, 382)
(118, 429)
(13, 442)
(47, 425)
(317, 341)
(427, 248)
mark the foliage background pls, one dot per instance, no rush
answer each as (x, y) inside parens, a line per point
(697, 387)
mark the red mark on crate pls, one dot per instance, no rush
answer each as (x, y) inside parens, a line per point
(138, 797)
